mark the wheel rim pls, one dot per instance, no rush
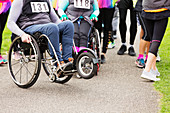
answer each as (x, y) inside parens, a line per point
(85, 69)
(24, 69)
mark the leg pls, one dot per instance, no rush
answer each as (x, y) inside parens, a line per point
(133, 30)
(84, 31)
(67, 30)
(52, 31)
(122, 29)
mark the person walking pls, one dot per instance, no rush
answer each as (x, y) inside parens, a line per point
(106, 8)
(144, 39)
(4, 11)
(123, 6)
(155, 13)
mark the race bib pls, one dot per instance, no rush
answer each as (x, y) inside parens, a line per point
(38, 7)
(84, 4)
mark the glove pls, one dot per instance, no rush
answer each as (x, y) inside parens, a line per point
(93, 17)
(64, 17)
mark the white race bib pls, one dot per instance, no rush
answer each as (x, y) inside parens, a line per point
(84, 4)
(38, 7)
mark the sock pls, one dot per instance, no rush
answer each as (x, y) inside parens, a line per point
(124, 44)
(131, 45)
(140, 56)
(146, 57)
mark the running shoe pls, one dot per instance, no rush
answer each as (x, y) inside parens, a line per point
(131, 51)
(2, 60)
(155, 72)
(149, 76)
(122, 50)
(103, 59)
(140, 63)
(111, 45)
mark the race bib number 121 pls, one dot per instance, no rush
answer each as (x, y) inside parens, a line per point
(84, 4)
(38, 7)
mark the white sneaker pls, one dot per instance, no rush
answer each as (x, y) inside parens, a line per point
(111, 45)
(155, 72)
(158, 58)
(149, 76)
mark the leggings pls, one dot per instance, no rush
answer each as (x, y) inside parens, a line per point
(3, 19)
(123, 27)
(156, 30)
(105, 17)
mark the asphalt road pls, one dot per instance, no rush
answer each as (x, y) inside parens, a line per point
(117, 89)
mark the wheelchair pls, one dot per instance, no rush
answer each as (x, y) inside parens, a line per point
(25, 70)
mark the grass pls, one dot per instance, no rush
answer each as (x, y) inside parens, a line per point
(6, 41)
(163, 85)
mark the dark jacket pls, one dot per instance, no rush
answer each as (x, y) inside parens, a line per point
(155, 4)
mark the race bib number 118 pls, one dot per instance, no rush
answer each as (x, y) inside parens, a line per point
(84, 4)
(38, 7)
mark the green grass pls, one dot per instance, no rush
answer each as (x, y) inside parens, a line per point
(6, 41)
(163, 85)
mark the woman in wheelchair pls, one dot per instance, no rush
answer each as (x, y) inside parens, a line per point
(81, 13)
(29, 16)
(39, 29)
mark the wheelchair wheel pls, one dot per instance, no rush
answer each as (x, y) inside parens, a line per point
(85, 66)
(49, 68)
(25, 68)
(95, 44)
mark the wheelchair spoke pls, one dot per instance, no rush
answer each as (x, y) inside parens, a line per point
(15, 63)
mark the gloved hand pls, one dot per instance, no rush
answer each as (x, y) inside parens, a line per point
(64, 17)
(93, 17)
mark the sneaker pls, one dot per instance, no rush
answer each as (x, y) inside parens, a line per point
(2, 60)
(149, 76)
(122, 49)
(111, 45)
(103, 59)
(131, 51)
(158, 58)
(140, 63)
(155, 72)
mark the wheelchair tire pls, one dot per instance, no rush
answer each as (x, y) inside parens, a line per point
(25, 69)
(85, 66)
(47, 67)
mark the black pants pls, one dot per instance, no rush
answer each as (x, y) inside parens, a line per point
(156, 30)
(3, 19)
(123, 27)
(81, 32)
(105, 17)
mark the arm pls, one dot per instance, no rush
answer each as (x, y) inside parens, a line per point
(14, 14)
(62, 7)
(96, 11)
(53, 15)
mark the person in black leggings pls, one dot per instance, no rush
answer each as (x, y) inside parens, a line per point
(123, 6)
(105, 17)
(155, 13)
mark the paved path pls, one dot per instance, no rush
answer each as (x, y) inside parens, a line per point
(117, 89)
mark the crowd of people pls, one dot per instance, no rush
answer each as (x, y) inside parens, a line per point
(73, 18)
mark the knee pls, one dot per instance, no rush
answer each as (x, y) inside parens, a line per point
(69, 24)
(53, 28)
